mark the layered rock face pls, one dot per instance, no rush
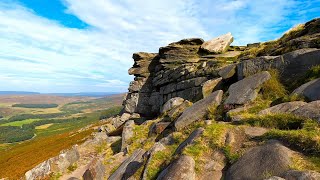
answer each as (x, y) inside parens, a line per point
(178, 70)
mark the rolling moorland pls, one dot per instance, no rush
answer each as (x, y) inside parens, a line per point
(36, 127)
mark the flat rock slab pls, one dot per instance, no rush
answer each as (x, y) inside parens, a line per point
(219, 44)
(302, 175)
(253, 132)
(95, 170)
(127, 134)
(129, 166)
(246, 90)
(272, 158)
(198, 110)
(182, 169)
(192, 137)
(286, 107)
(310, 90)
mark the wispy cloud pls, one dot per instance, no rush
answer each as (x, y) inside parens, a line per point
(41, 54)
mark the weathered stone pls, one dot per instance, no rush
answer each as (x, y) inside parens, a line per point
(310, 90)
(210, 86)
(229, 139)
(253, 132)
(157, 128)
(213, 166)
(286, 107)
(173, 102)
(198, 110)
(113, 139)
(192, 137)
(190, 83)
(219, 44)
(64, 160)
(95, 171)
(182, 169)
(301, 175)
(127, 134)
(130, 104)
(175, 112)
(275, 178)
(272, 158)
(228, 71)
(169, 140)
(292, 65)
(246, 90)
(129, 166)
(41, 171)
(310, 110)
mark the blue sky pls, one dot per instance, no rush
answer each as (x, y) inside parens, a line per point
(86, 45)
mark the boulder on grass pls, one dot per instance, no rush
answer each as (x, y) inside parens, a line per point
(310, 110)
(271, 159)
(198, 110)
(310, 90)
(182, 169)
(171, 103)
(246, 90)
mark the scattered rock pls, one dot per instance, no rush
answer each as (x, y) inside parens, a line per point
(169, 140)
(129, 166)
(182, 169)
(286, 107)
(310, 90)
(113, 139)
(198, 110)
(219, 44)
(192, 137)
(230, 139)
(246, 90)
(210, 86)
(95, 171)
(272, 158)
(127, 134)
(174, 113)
(173, 102)
(41, 171)
(214, 165)
(302, 175)
(275, 178)
(228, 71)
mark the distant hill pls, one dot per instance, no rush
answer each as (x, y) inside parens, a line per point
(17, 93)
(87, 94)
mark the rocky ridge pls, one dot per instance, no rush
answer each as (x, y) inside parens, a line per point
(208, 110)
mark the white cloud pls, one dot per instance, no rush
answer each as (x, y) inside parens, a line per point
(59, 58)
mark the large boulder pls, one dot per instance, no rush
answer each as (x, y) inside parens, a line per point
(219, 44)
(246, 90)
(127, 134)
(182, 169)
(192, 137)
(310, 90)
(95, 171)
(171, 103)
(198, 110)
(310, 110)
(292, 65)
(175, 112)
(61, 162)
(211, 85)
(272, 158)
(41, 171)
(129, 166)
(286, 107)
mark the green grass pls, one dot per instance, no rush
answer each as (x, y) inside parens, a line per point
(273, 89)
(20, 123)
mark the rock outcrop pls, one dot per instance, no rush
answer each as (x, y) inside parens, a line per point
(286, 107)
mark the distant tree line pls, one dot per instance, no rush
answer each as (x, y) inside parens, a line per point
(110, 112)
(42, 106)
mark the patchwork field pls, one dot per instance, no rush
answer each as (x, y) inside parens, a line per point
(31, 135)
